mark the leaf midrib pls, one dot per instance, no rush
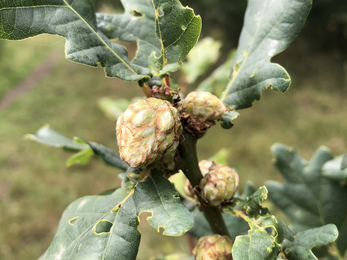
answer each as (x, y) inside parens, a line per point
(159, 30)
(114, 224)
(67, 5)
(233, 79)
(302, 181)
(130, 32)
(107, 46)
(188, 24)
(28, 7)
(248, 53)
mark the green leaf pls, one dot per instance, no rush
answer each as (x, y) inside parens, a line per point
(76, 21)
(48, 136)
(307, 197)
(300, 248)
(178, 29)
(97, 227)
(266, 232)
(275, 227)
(256, 245)
(332, 170)
(108, 192)
(165, 30)
(158, 196)
(228, 119)
(344, 162)
(137, 23)
(83, 157)
(105, 227)
(264, 236)
(108, 156)
(268, 30)
(202, 56)
(253, 204)
(262, 240)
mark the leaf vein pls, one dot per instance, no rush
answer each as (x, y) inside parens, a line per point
(162, 202)
(102, 40)
(250, 47)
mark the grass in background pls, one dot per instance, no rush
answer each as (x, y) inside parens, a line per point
(17, 60)
(36, 187)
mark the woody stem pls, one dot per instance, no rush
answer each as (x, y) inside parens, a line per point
(190, 166)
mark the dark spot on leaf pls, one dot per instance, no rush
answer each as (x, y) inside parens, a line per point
(104, 226)
(73, 221)
(137, 14)
(237, 66)
(271, 231)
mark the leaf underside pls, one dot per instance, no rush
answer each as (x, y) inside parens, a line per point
(300, 248)
(76, 21)
(307, 196)
(48, 136)
(332, 169)
(105, 227)
(269, 28)
(164, 30)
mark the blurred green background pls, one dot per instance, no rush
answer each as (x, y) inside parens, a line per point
(36, 186)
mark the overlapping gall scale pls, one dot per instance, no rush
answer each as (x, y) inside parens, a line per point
(219, 183)
(148, 131)
(204, 106)
(215, 247)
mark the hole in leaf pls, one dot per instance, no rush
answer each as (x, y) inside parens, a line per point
(183, 27)
(161, 230)
(161, 12)
(73, 221)
(143, 218)
(137, 13)
(103, 226)
(271, 231)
